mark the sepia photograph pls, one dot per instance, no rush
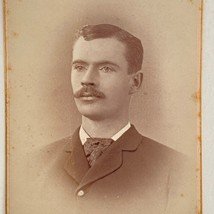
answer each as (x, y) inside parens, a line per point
(103, 109)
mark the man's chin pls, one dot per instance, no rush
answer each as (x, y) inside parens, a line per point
(92, 115)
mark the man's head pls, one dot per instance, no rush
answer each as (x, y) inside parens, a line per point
(134, 48)
(106, 71)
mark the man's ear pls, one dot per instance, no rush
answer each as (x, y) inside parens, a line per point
(136, 82)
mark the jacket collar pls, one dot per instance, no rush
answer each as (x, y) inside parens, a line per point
(77, 164)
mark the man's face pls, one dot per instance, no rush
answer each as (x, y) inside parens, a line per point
(100, 80)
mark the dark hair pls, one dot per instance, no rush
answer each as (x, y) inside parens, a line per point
(134, 53)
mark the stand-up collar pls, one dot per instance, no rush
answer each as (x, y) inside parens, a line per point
(83, 135)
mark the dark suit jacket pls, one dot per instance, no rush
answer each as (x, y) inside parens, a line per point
(135, 175)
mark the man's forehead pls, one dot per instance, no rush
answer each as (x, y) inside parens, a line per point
(98, 43)
(99, 49)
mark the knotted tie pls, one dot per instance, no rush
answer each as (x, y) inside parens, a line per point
(95, 147)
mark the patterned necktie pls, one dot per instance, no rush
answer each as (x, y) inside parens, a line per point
(95, 147)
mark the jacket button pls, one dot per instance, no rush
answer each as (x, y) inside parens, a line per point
(81, 193)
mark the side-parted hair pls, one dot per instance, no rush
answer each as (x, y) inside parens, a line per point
(134, 48)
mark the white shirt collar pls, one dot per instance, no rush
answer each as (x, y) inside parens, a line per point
(83, 135)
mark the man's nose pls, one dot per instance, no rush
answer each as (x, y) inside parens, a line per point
(89, 77)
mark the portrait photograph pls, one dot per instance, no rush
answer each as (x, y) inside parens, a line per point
(103, 106)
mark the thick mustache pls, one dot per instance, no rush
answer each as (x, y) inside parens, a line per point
(88, 91)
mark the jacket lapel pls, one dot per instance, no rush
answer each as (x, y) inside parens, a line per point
(112, 159)
(76, 164)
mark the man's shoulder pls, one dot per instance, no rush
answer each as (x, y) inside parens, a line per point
(157, 149)
(57, 146)
(152, 153)
(48, 155)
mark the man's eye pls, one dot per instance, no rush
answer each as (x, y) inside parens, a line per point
(79, 68)
(106, 69)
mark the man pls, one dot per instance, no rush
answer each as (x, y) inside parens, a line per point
(107, 166)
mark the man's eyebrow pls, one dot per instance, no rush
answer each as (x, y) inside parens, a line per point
(107, 63)
(79, 62)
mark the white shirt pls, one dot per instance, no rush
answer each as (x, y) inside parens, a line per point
(83, 135)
